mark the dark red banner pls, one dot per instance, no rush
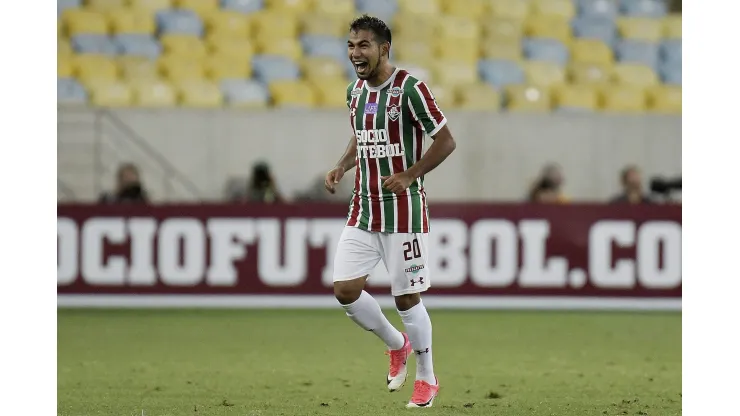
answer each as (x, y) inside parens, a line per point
(586, 251)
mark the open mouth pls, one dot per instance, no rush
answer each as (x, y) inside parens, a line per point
(360, 66)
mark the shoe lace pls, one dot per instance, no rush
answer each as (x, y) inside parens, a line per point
(422, 390)
(397, 358)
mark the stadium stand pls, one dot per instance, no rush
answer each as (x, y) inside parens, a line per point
(483, 55)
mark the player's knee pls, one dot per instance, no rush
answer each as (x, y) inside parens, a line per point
(347, 292)
(406, 302)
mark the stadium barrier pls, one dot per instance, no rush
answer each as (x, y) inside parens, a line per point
(488, 256)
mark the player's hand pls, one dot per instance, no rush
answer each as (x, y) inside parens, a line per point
(398, 183)
(332, 178)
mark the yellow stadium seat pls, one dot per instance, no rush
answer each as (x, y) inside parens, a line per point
(318, 68)
(200, 94)
(132, 21)
(228, 23)
(419, 52)
(91, 67)
(459, 28)
(180, 69)
(294, 94)
(509, 9)
(549, 27)
(64, 66)
(531, 99)
(420, 7)
(225, 45)
(444, 95)
(104, 5)
(110, 94)
(153, 94)
(295, 7)
(220, 67)
(497, 29)
(472, 9)
(672, 25)
(544, 74)
(665, 99)
(635, 74)
(454, 73)
(275, 25)
(135, 68)
(581, 97)
(640, 28)
(84, 21)
(183, 45)
(590, 74)
(467, 51)
(624, 99)
(64, 48)
(591, 51)
(60, 29)
(343, 9)
(415, 27)
(331, 93)
(565, 9)
(502, 50)
(150, 5)
(479, 97)
(323, 24)
(288, 47)
(201, 7)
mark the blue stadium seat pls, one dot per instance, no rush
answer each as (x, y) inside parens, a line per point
(670, 73)
(244, 92)
(138, 45)
(243, 6)
(549, 50)
(63, 5)
(600, 28)
(638, 52)
(269, 68)
(597, 8)
(384, 9)
(180, 21)
(670, 50)
(94, 44)
(500, 73)
(69, 91)
(327, 46)
(643, 8)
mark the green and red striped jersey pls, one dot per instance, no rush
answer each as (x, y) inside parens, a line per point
(390, 122)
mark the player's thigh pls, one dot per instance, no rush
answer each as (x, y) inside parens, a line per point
(406, 256)
(357, 254)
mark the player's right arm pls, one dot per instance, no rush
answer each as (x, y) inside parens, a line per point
(346, 163)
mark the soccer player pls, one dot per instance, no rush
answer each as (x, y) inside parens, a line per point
(390, 111)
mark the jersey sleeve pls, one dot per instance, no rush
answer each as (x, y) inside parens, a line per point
(424, 108)
(349, 94)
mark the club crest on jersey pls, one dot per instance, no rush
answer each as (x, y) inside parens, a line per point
(395, 91)
(356, 92)
(371, 108)
(394, 111)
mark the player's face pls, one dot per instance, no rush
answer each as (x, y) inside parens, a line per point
(364, 53)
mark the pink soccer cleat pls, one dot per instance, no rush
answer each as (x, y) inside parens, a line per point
(424, 394)
(398, 369)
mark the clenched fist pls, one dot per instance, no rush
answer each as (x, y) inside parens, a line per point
(332, 178)
(398, 183)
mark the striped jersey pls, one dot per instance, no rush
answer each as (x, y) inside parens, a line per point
(389, 122)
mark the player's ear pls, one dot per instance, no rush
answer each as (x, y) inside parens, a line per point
(385, 49)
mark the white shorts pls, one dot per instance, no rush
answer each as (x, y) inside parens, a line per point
(405, 256)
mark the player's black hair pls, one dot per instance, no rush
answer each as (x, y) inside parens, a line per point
(380, 30)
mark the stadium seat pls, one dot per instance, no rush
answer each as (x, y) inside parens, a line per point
(244, 93)
(81, 21)
(591, 51)
(565, 9)
(93, 44)
(665, 99)
(467, 51)
(502, 50)
(640, 28)
(331, 93)
(526, 98)
(150, 5)
(274, 68)
(672, 25)
(623, 99)
(460, 29)
(226, 45)
(64, 47)
(130, 21)
(471, 9)
(287, 47)
(479, 97)
(635, 74)
(590, 74)
(69, 91)
(153, 93)
(65, 67)
(549, 27)
(220, 67)
(509, 9)
(110, 94)
(637, 52)
(671, 51)
(643, 8)
(104, 5)
(501, 73)
(200, 94)
(287, 6)
(454, 73)
(243, 6)
(671, 74)
(420, 7)
(543, 74)
(201, 7)
(545, 49)
(576, 97)
(274, 25)
(598, 28)
(415, 51)
(318, 68)
(292, 94)
(179, 69)
(183, 45)
(63, 5)
(89, 68)
(500, 29)
(383, 9)
(183, 22)
(228, 23)
(325, 46)
(138, 45)
(138, 68)
(598, 8)
(411, 27)
(323, 24)
(341, 9)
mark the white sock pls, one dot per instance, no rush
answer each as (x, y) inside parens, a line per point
(419, 329)
(366, 313)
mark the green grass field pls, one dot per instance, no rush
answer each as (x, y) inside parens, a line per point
(266, 362)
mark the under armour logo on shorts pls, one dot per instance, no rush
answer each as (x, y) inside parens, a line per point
(419, 281)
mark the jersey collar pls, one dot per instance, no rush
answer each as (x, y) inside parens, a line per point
(385, 84)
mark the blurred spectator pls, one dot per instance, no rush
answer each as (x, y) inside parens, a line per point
(632, 192)
(548, 187)
(128, 187)
(262, 187)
